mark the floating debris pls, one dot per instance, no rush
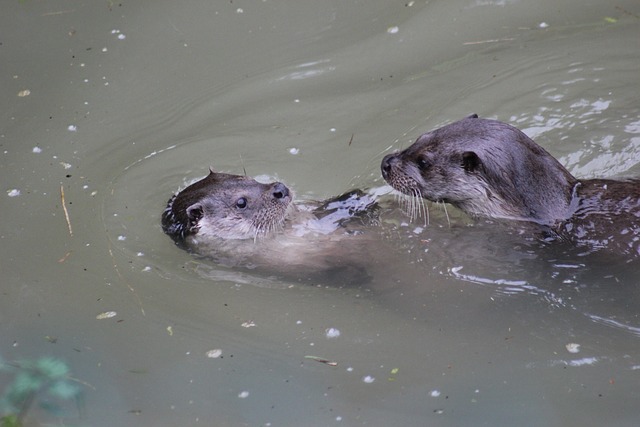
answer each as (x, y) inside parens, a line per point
(322, 360)
(214, 354)
(332, 333)
(66, 213)
(573, 347)
(106, 315)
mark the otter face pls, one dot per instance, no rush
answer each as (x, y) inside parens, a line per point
(227, 207)
(438, 167)
(484, 167)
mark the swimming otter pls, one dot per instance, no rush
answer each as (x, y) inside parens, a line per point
(240, 222)
(226, 207)
(490, 169)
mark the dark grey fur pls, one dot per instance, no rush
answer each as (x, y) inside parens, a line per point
(490, 169)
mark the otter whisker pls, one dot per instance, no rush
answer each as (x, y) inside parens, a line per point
(417, 210)
(444, 206)
(425, 208)
(410, 201)
(413, 214)
(421, 207)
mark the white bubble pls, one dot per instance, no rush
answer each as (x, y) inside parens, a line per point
(332, 333)
(573, 347)
(214, 354)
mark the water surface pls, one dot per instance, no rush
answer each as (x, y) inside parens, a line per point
(464, 324)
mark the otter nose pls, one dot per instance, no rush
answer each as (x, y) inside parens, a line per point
(388, 162)
(280, 191)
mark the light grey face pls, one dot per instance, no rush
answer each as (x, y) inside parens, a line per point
(227, 207)
(239, 209)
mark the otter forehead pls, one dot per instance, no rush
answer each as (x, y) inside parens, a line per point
(470, 133)
(220, 184)
(228, 191)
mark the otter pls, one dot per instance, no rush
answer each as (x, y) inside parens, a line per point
(225, 206)
(239, 222)
(490, 169)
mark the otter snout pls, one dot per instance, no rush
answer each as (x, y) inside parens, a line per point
(388, 163)
(279, 190)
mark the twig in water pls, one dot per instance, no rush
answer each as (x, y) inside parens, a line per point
(64, 208)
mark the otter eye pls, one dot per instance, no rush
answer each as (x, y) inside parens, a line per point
(241, 203)
(423, 163)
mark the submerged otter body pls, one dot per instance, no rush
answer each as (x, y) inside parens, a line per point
(239, 222)
(490, 169)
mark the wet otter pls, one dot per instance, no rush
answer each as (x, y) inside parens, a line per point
(240, 222)
(490, 169)
(226, 207)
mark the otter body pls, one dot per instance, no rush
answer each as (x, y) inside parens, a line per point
(490, 169)
(239, 222)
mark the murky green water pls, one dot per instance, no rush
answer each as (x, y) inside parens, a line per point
(128, 101)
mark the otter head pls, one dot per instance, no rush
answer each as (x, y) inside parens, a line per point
(226, 206)
(486, 168)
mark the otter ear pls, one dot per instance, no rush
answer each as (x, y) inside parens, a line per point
(470, 161)
(473, 116)
(194, 213)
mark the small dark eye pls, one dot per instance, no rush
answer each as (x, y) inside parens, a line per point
(241, 203)
(423, 163)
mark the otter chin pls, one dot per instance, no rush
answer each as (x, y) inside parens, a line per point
(238, 222)
(490, 169)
